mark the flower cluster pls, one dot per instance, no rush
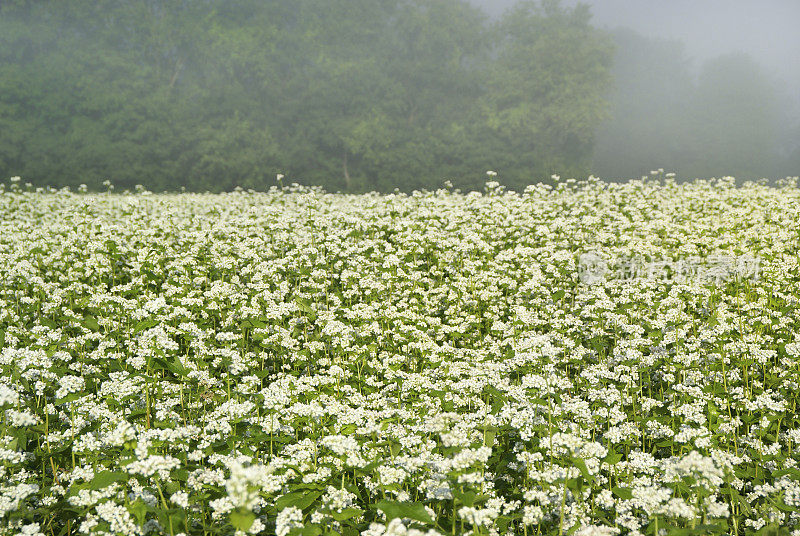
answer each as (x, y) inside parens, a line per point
(301, 362)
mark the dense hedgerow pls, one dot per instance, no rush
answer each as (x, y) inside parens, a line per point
(296, 361)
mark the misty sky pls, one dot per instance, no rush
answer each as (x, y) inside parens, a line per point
(765, 29)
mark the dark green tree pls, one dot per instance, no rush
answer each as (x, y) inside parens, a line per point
(545, 92)
(417, 133)
(353, 95)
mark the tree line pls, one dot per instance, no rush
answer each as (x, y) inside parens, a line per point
(352, 95)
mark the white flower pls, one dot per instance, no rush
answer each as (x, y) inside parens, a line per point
(22, 418)
(180, 498)
(31, 529)
(597, 530)
(8, 396)
(288, 519)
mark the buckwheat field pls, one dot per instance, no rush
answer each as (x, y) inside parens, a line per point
(590, 359)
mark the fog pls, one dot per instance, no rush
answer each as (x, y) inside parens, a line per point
(764, 29)
(697, 33)
(378, 95)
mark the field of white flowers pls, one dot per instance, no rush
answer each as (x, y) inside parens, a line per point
(297, 362)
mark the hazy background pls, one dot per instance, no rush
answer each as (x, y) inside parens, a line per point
(697, 33)
(765, 29)
(361, 95)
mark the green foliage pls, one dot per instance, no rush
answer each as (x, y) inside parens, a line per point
(394, 509)
(351, 95)
(242, 519)
(544, 92)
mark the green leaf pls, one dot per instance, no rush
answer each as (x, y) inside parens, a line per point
(502, 523)
(367, 469)
(298, 499)
(104, 479)
(158, 363)
(304, 305)
(489, 435)
(575, 484)
(48, 323)
(773, 530)
(581, 465)
(176, 517)
(394, 509)
(467, 498)
(622, 493)
(145, 324)
(138, 510)
(39, 429)
(612, 457)
(91, 323)
(346, 514)
(69, 398)
(242, 519)
(699, 530)
(348, 429)
(174, 365)
(171, 519)
(253, 323)
(790, 471)
(497, 397)
(311, 530)
(177, 368)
